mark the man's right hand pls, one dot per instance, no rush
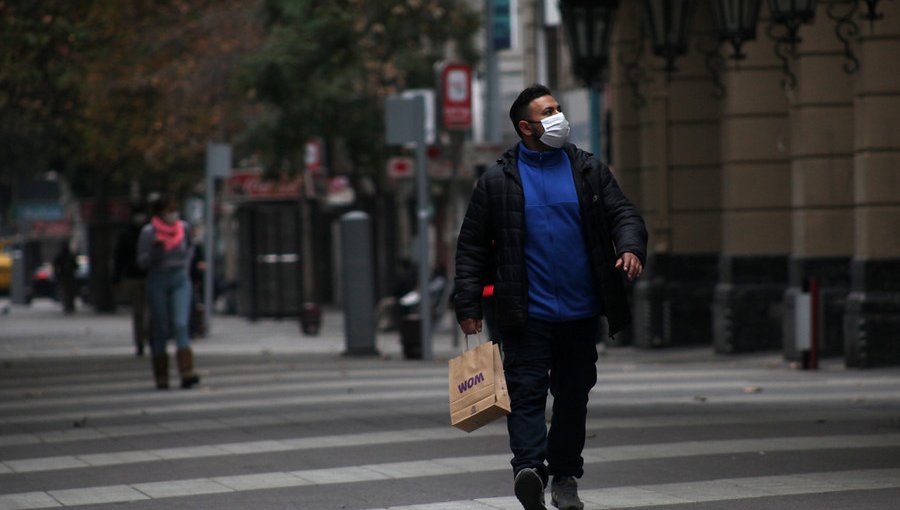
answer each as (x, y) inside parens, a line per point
(470, 326)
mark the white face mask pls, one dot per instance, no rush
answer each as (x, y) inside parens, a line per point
(171, 217)
(556, 130)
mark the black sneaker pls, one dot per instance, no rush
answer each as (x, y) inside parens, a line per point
(564, 493)
(529, 488)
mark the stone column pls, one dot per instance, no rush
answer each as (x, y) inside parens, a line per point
(624, 104)
(690, 265)
(681, 180)
(821, 127)
(872, 320)
(756, 197)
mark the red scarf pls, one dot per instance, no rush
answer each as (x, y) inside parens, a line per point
(170, 235)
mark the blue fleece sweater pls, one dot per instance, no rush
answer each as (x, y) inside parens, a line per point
(560, 283)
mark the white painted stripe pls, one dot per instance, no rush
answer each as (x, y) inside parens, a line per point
(88, 383)
(26, 500)
(609, 498)
(99, 495)
(248, 404)
(439, 380)
(437, 398)
(728, 489)
(261, 420)
(591, 455)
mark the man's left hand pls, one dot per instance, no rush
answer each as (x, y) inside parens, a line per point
(631, 265)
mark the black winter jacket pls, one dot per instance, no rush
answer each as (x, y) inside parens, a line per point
(610, 223)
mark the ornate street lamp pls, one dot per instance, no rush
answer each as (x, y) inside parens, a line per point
(791, 14)
(667, 22)
(736, 22)
(588, 25)
(872, 13)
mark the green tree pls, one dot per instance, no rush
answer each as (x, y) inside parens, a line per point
(41, 69)
(159, 86)
(113, 92)
(326, 67)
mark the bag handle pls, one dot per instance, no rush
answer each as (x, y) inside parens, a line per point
(480, 340)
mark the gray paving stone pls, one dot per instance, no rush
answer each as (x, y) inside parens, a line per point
(340, 475)
(176, 488)
(44, 464)
(98, 495)
(27, 500)
(115, 458)
(261, 481)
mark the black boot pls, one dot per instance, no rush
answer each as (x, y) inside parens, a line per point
(161, 371)
(186, 368)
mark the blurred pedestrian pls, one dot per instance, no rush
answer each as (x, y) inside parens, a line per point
(197, 328)
(133, 277)
(165, 250)
(564, 234)
(64, 266)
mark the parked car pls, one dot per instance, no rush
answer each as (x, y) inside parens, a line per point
(43, 280)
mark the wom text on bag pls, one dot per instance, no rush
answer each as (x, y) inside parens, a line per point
(472, 381)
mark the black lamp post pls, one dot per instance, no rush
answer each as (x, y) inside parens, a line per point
(736, 22)
(791, 14)
(667, 22)
(872, 13)
(588, 25)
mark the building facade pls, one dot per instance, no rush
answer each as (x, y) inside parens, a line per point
(753, 189)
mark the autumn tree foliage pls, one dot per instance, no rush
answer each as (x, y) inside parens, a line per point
(160, 85)
(41, 67)
(112, 93)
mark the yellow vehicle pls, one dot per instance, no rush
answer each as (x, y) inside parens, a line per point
(5, 269)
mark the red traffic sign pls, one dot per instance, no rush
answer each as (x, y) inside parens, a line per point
(399, 167)
(456, 84)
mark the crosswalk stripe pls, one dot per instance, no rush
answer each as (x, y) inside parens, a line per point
(727, 489)
(307, 443)
(417, 382)
(437, 397)
(26, 383)
(448, 466)
(25, 386)
(618, 497)
(261, 420)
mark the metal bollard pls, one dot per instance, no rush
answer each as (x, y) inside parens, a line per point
(358, 284)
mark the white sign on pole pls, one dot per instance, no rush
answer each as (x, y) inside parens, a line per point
(218, 159)
(430, 122)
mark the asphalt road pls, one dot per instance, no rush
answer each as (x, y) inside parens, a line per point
(267, 429)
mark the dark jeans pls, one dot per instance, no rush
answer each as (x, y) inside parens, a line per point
(560, 357)
(169, 296)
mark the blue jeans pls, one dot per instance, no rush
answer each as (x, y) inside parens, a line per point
(560, 357)
(169, 296)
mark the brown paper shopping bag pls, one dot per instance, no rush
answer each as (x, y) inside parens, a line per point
(478, 393)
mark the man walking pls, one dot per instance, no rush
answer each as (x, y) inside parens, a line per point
(556, 229)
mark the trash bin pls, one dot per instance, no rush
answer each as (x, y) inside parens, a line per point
(310, 319)
(411, 336)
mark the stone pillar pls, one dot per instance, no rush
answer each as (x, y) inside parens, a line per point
(872, 320)
(756, 196)
(683, 184)
(691, 264)
(821, 127)
(625, 102)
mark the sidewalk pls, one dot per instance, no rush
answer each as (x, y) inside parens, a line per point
(42, 330)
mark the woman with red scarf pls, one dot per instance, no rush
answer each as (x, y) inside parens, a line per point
(165, 250)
